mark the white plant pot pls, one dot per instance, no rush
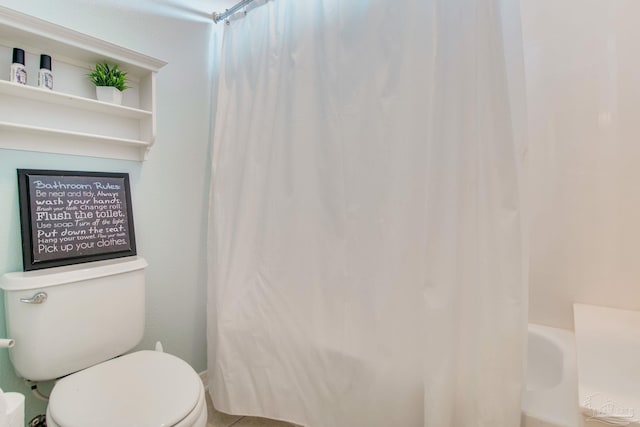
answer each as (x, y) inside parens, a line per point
(109, 94)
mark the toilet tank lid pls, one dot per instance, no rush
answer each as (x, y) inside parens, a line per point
(70, 273)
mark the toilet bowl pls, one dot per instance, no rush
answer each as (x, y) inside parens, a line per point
(141, 389)
(83, 319)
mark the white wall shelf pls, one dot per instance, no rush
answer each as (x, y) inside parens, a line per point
(69, 120)
(63, 99)
(58, 141)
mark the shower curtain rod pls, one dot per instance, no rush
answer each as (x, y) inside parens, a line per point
(220, 16)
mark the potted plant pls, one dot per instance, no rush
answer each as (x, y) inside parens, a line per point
(110, 81)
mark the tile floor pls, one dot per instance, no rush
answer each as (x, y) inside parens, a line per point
(218, 419)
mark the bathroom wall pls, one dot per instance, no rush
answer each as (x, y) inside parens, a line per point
(169, 190)
(583, 77)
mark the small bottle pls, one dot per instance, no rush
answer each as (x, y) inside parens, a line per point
(45, 76)
(18, 70)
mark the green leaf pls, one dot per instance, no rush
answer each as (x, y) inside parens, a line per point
(105, 75)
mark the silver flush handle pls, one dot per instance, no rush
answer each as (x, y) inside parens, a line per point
(38, 298)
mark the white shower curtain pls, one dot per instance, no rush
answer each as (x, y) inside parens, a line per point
(366, 253)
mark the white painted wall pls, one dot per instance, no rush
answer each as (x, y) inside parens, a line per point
(170, 190)
(583, 73)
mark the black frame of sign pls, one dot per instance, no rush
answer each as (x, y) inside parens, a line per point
(29, 218)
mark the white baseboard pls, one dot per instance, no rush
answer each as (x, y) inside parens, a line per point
(204, 377)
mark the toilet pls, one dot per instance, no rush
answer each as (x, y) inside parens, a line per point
(74, 324)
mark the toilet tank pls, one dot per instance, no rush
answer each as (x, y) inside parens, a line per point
(92, 312)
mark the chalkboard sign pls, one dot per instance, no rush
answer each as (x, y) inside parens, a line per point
(74, 217)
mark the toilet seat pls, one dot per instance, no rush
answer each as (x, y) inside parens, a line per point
(142, 389)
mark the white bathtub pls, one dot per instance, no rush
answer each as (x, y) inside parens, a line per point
(550, 398)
